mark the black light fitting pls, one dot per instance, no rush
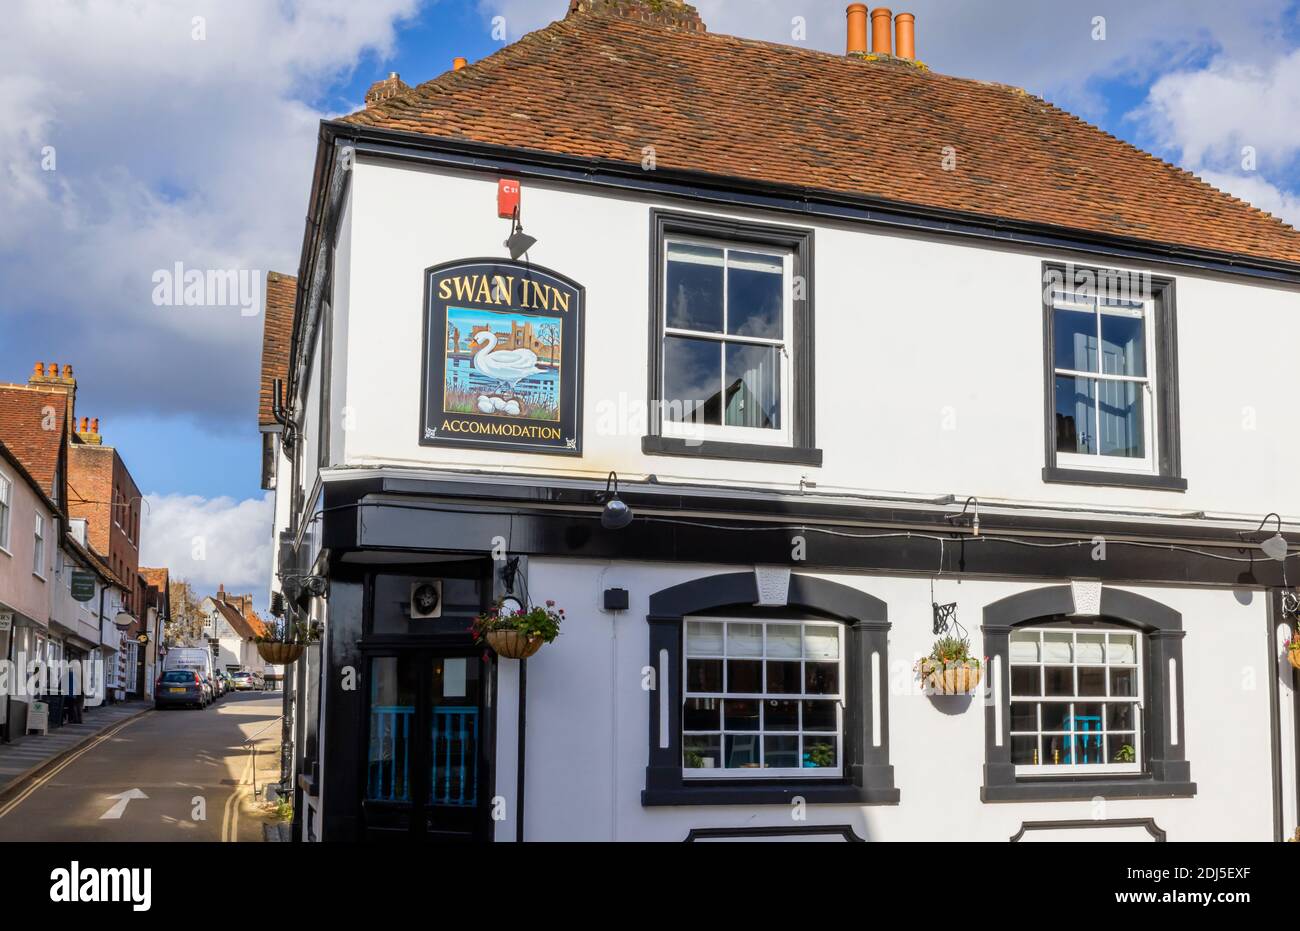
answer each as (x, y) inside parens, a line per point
(616, 514)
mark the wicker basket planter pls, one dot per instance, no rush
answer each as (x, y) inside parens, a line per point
(953, 679)
(280, 654)
(1294, 657)
(511, 644)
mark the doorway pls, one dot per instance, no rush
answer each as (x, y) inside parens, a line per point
(427, 763)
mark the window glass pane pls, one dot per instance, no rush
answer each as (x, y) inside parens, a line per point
(781, 752)
(1059, 680)
(701, 751)
(1088, 748)
(1024, 751)
(744, 675)
(1057, 749)
(1057, 647)
(702, 714)
(1056, 716)
(744, 639)
(1123, 648)
(785, 678)
(1122, 748)
(1123, 683)
(1091, 648)
(752, 393)
(703, 638)
(1092, 680)
(692, 380)
(704, 675)
(1123, 418)
(742, 751)
(822, 678)
(780, 715)
(819, 715)
(819, 753)
(1076, 405)
(1075, 336)
(1120, 716)
(1024, 647)
(784, 640)
(1026, 680)
(740, 714)
(693, 294)
(1123, 344)
(1087, 717)
(821, 641)
(1024, 716)
(755, 294)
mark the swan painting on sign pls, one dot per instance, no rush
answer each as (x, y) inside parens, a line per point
(503, 364)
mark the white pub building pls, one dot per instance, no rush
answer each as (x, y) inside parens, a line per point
(780, 371)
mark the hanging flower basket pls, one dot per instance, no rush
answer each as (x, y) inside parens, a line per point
(511, 644)
(952, 679)
(1293, 655)
(518, 634)
(280, 654)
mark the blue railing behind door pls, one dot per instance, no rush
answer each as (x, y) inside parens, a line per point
(390, 768)
(455, 757)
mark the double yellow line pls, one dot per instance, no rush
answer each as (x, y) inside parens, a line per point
(68, 761)
(230, 816)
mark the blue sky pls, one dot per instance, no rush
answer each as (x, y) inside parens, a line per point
(132, 137)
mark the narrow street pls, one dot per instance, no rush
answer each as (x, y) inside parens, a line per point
(171, 775)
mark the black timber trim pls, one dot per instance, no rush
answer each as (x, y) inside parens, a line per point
(736, 192)
(749, 527)
(868, 777)
(804, 830)
(802, 361)
(1148, 824)
(1276, 616)
(1166, 427)
(1167, 774)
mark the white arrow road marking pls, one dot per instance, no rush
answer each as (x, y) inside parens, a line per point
(123, 799)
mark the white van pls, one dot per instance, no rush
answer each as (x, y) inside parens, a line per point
(192, 658)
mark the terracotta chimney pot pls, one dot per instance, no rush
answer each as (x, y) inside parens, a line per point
(459, 64)
(67, 373)
(881, 40)
(94, 425)
(857, 29)
(39, 370)
(905, 36)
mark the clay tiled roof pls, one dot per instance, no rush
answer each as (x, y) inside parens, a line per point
(32, 425)
(246, 623)
(603, 85)
(277, 328)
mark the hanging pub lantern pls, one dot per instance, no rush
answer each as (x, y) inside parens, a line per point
(123, 620)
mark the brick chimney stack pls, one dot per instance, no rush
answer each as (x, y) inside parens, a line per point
(390, 86)
(675, 14)
(55, 380)
(88, 431)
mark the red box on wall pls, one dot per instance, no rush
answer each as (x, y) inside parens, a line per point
(507, 197)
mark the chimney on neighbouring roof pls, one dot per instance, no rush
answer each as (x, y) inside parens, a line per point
(905, 36)
(390, 86)
(675, 14)
(881, 41)
(857, 28)
(221, 591)
(459, 64)
(88, 432)
(53, 380)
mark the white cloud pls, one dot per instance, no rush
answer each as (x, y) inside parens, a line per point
(210, 542)
(167, 148)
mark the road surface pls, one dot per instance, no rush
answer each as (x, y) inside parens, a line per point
(173, 775)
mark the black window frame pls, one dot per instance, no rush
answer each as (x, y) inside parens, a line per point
(868, 777)
(1166, 773)
(1165, 429)
(799, 241)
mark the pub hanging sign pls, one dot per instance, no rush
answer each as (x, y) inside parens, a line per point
(503, 360)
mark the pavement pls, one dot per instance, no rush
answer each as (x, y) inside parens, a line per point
(146, 775)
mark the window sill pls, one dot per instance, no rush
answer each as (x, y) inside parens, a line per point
(1057, 476)
(1065, 790)
(767, 793)
(717, 449)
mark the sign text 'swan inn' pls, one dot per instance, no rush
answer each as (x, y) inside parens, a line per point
(503, 359)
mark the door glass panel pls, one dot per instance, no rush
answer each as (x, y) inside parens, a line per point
(454, 723)
(392, 716)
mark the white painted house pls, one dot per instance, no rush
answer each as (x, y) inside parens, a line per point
(230, 628)
(876, 354)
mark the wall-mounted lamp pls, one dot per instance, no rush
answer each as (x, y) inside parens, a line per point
(616, 514)
(1275, 547)
(519, 242)
(973, 516)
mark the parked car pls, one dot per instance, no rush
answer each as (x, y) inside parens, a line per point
(227, 682)
(208, 686)
(180, 687)
(259, 681)
(244, 680)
